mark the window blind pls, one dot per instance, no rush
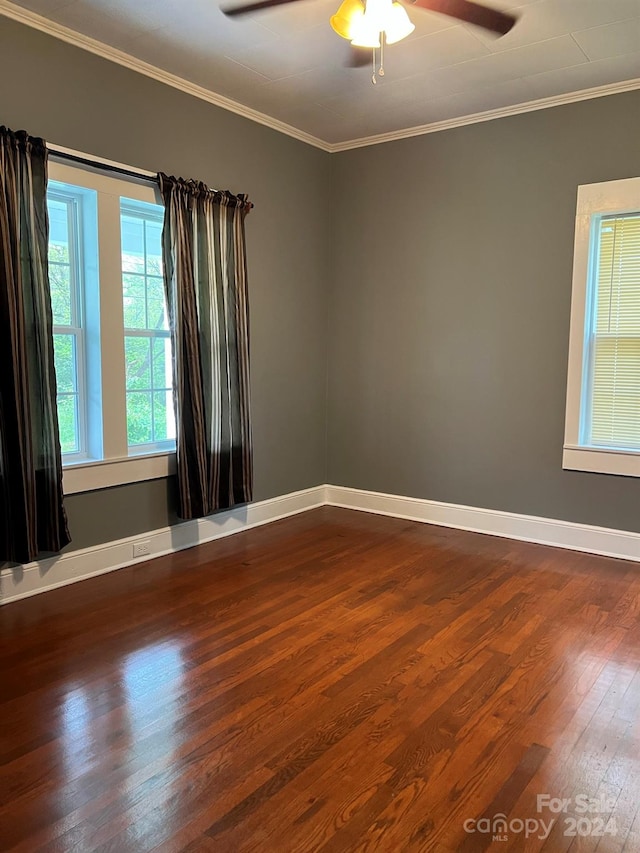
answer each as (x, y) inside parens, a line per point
(613, 418)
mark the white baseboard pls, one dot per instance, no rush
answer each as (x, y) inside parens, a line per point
(605, 541)
(33, 578)
(36, 577)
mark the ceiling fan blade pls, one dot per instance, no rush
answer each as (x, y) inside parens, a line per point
(471, 13)
(232, 11)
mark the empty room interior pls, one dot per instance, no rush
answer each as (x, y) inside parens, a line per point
(319, 426)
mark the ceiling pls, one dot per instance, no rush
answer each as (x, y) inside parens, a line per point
(289, 64)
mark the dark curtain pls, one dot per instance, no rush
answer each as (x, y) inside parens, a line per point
(32, 517)
(205, 278)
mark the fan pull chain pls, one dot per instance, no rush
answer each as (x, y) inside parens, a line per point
(380, 70)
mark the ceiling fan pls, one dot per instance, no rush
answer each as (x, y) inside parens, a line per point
(374, 23)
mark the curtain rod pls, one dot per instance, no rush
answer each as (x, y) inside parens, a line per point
(61, 153)
(72, 156)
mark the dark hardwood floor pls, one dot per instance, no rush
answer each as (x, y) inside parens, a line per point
(332, 682)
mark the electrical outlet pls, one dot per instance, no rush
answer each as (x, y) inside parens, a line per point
(142, 548)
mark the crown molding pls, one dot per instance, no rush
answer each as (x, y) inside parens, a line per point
(489, 115)
(38, 22)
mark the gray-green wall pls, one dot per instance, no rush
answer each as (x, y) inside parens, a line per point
(444, 262)
(449, 311)
(75, 99)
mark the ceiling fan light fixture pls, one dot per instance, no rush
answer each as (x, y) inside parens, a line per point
(398, 24)
(380, 16)
(365, 35)
(376, 13)
(347, 18)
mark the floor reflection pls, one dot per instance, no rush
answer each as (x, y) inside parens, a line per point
(123, 728)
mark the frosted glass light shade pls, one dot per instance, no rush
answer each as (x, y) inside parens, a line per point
(348, 16)
(398, 24)
(364, 35)
(380, 16)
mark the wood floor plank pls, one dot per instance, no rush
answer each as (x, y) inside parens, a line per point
(332, 682)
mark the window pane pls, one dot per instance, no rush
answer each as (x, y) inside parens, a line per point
(614, 413)
(60, 283)
(59, 261)
(162, 364)
(134, 301)
(68, 423)
(155, 288)
(154, 247)
(138, 362)
(142, 285)
(615, 406)
(132, 230)
(58, 230)
(139, 417)
(163, 420)
(618, 276)
(148, 354)
(66, 365)
(73, 278)
(156, 314)
(64, 349)
(133, 286)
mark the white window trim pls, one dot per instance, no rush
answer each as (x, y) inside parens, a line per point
(103, 473)
(118, 464)
(603, 198)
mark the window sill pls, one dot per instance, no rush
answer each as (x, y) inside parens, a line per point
(93, 474)
(602, 460)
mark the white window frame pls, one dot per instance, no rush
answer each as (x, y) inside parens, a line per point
(76, 327)
(108, 460)
(150, 335)
(594, 202)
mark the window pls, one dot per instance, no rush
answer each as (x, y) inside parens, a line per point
(603, 392)
(150, 419)
(111, 334)
(64, 205)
